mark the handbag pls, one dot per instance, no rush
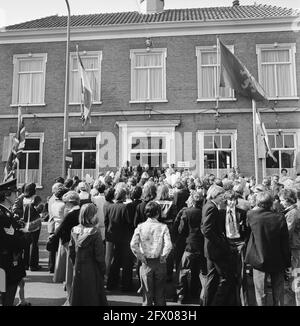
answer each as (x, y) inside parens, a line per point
(52, 244)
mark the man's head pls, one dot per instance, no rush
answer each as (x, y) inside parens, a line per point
(275, 178)
(264, 200)
(216, 193)
(284, 172)
(8, 190)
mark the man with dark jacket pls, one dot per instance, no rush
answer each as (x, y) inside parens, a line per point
(219, 281)
(193, 259)
(268, 249)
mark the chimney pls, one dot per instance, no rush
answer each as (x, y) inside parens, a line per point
(235, 3)
(151, 6)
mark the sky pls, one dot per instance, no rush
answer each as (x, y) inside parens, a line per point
(17, 11)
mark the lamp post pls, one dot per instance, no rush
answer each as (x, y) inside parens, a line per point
(66, 113)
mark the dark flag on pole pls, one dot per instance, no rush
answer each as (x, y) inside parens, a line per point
(16, 151)
(235, 75)
(86, 92)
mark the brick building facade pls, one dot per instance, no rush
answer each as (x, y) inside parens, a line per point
(153, 80)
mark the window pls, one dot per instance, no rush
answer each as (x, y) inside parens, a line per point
(92, 65)
(30, 164)
(276, 70)
(217, 152)
(148, 75)
(208, 75)
(283, 147)
(84, 151)
(29, 79)
(151, 150)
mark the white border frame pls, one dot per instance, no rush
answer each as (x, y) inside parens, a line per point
(15, 86)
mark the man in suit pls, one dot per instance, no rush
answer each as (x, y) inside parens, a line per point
(193, 259)
(268, 249)
(219, 282)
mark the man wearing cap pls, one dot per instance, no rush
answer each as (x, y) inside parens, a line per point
(12, 242)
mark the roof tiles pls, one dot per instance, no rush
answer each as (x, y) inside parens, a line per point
(170, 15)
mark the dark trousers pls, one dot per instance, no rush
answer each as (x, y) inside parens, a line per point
(8, 297)
(122, 258)
(51, 263)
(195, 264)
(219, 285)
(31, 251)
(153, 278)
(238, 249)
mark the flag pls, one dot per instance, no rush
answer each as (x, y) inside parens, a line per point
(236, 76)
(86, 92)
(16, 151)
(262, 139)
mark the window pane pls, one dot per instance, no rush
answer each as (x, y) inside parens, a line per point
(270, 163)
(148, 60)
(90, 160)
(90, 62)
(217, 142)
(77, 160)
(141, 84)
(210, 160)
(287, 159)
(84, 143)
(148, 143)
(31, 65)
(284, 80)
(22, 161)
(33, 161)
(225, 160)
(155, 91)
(152, 159)
(275, 56)
(268, 79)
(226, 141)
(37, 88)
(208, 141)
(208, 58)
(32, 144)
(271, 140)
(279, 141)
(208, 84)
(288, 141)
(24, 89)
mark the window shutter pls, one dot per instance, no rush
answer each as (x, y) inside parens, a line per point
(7, 145)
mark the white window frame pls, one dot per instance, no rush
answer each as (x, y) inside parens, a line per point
(33, 135)
(86, 134)
(213, 48)
(223, 132)
(82, 55)
(163, 52)
(160, 128)
(280, 46)
(296, 134)
(15, 89)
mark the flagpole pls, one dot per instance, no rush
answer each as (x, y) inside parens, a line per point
(66, 113)
(18, 130)
(218, 77)
(254, 140)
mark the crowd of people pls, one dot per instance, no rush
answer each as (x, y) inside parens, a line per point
(204, 235)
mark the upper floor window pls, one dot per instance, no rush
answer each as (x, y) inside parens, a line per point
(276, 69)
(148, 75)
(208, 71)
(92, 65)
(29, 79)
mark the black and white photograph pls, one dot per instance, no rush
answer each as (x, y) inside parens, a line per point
(149, 156)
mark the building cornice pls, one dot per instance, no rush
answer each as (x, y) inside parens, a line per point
(275, 24)
(151, 112)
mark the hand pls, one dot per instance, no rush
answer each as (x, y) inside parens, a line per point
(163, 259)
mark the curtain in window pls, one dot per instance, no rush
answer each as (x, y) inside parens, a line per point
(148, 77)
(31, 81)
(278, 68)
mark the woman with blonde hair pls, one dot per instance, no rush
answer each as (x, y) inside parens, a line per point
(87, 255)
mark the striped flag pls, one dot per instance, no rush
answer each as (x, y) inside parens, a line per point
(16, 151)
(235, 75)
(262, 134)
(86, 92)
